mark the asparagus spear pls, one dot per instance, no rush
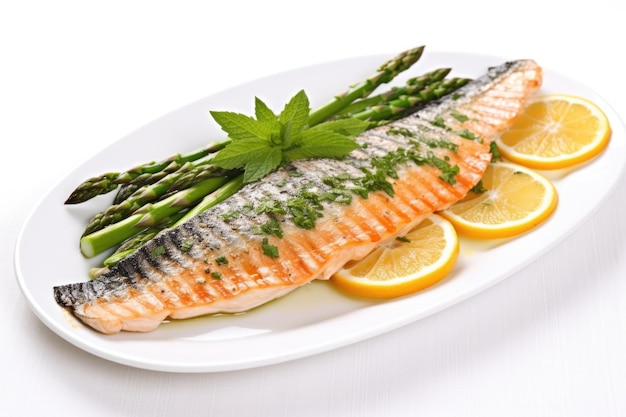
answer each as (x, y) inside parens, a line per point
(406, 104)
(386, 72)
(149, 215)
(185, 177)
(411, 87)
(110, 181)
(134, 242)
(217, 196)
(131, 244)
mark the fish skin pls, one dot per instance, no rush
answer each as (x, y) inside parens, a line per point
(173, 275)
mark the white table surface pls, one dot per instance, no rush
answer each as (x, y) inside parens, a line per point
(550, 340)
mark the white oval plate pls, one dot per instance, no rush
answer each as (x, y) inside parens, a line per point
(315, 318)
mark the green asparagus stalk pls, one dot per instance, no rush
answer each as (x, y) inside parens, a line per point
(145, 179)
(131, 244)
(386, 72)
(185, 177)
(217, 196)
(149, 215)
(108, 182)
(406, 104)
(411, 87)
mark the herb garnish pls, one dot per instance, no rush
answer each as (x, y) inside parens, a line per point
(222, 260)
(186, 245)
(468, 134)
(479, 188)
(459, 116)
(272, 227)
(305, 209)
(157, 251)
(402, 131)
(269, 250)
(261, 145)
(267, 205)
(439, 122)
(495, 152)
(229, 215)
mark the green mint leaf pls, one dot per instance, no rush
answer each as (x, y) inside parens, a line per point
(261, 145)
(238, 154)
(265, 161)
(241, 127)
(321, 144)
(296, 112)
(262, 112)
(287, 135)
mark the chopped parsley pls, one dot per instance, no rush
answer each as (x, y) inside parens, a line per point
(305, 209)
(468, 134)
(222, 260)
(186, 245)
(439, 122)
(267, 205)
(377, 180)
(403, 239)
(458, 116)
(495, 152)
(272, 227)
(479, 188)
(157, 251)
(229, 215)
(439, 143)
(269, 250)
(216, 275)
(402, 131)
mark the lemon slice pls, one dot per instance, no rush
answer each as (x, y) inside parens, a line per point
(515, 199)
(556, 131)
(410, 263)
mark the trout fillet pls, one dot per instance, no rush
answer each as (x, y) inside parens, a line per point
(305, 221)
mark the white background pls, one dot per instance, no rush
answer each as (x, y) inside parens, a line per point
(77, 75)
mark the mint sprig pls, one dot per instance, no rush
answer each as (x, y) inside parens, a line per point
(262, 144)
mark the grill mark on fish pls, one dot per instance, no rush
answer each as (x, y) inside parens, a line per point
(172, 275)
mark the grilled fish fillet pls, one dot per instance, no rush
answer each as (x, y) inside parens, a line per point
(305, 221)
